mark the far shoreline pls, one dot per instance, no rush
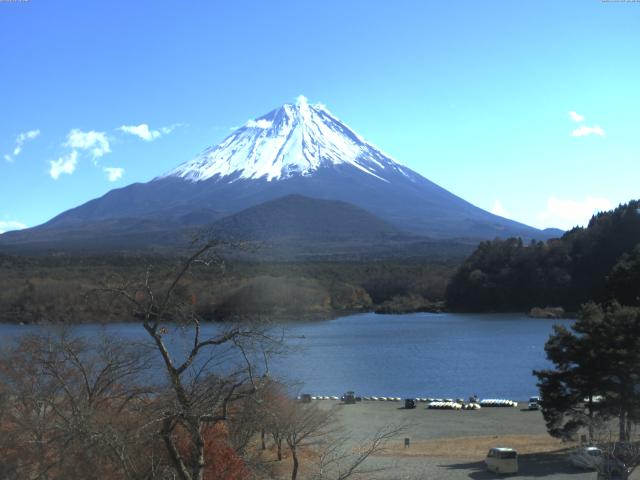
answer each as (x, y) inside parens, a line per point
(302, 319)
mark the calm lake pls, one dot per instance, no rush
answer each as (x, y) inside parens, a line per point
(422, 354)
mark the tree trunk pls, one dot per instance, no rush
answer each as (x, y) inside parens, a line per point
(174, 453)
(277, 439)
(294, 471)
(198, 468)
(591, 432)
(623, 426)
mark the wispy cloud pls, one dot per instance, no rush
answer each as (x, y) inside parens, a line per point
(21, 139)
(583, 131)
(498, 209)
(66, 164)
(114, 173)
(576, 117)
(171, 128)
(566, 213)
(262, 123)
(8, 225)
(147, 134)
(96, 143)
(142, 131)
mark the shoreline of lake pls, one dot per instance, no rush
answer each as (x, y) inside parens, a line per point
(381, 310)
(443, 355)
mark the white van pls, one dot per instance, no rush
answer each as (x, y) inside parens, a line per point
(502, 460)
(534, 403)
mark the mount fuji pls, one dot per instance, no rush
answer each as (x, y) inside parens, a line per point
(297, 149)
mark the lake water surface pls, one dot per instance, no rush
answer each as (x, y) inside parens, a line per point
(422, 354)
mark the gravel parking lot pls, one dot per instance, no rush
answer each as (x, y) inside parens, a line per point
(451, 445)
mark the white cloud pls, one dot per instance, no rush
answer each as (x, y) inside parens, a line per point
(8, 225)
(498, 209)
(145, 133)
(262, 123)
(96, 142)
(583, 131)
(576, 117)
(142, 131)
(20, 141)
(302, 101)
(566, 214)
(114, 173)
(66, 164)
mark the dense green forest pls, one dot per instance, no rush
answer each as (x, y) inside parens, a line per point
(37, 289)
(600, 262)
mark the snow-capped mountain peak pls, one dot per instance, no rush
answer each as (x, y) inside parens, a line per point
(295, 139)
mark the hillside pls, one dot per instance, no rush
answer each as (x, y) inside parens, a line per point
(303, 219)
(600, 262)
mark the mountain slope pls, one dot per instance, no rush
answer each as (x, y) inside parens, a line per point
(302, 219)
(297, 149)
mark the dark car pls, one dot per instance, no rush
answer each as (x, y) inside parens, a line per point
(613, 469)
(409, 403)
(349, 398)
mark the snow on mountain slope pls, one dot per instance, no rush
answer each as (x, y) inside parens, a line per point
(292, 140)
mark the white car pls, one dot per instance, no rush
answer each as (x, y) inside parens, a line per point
(502, 460)
(589, 458)
(534, 403)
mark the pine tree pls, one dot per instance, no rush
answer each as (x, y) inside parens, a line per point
(596, 374)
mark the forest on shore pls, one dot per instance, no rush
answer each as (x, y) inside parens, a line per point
(599, 263)
(58, 288)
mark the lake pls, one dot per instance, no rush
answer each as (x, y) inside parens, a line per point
(422, 354)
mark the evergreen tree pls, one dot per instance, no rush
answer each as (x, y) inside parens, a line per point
(600, 262)
(596, 374)
(624, 280)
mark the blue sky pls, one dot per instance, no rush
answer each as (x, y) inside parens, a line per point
(475, 96)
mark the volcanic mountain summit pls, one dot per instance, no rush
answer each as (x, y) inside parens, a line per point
(293, 140)
(297, 149)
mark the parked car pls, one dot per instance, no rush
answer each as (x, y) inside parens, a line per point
(589, 458)
(534, 403)
(305, 398)
(613, 469)
(349, 398)
(409, 403)
(593, 458)
(502, 460)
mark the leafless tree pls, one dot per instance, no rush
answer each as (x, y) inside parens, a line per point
(73, 409)
(306, 425)
(337, 461)
(213, 372)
